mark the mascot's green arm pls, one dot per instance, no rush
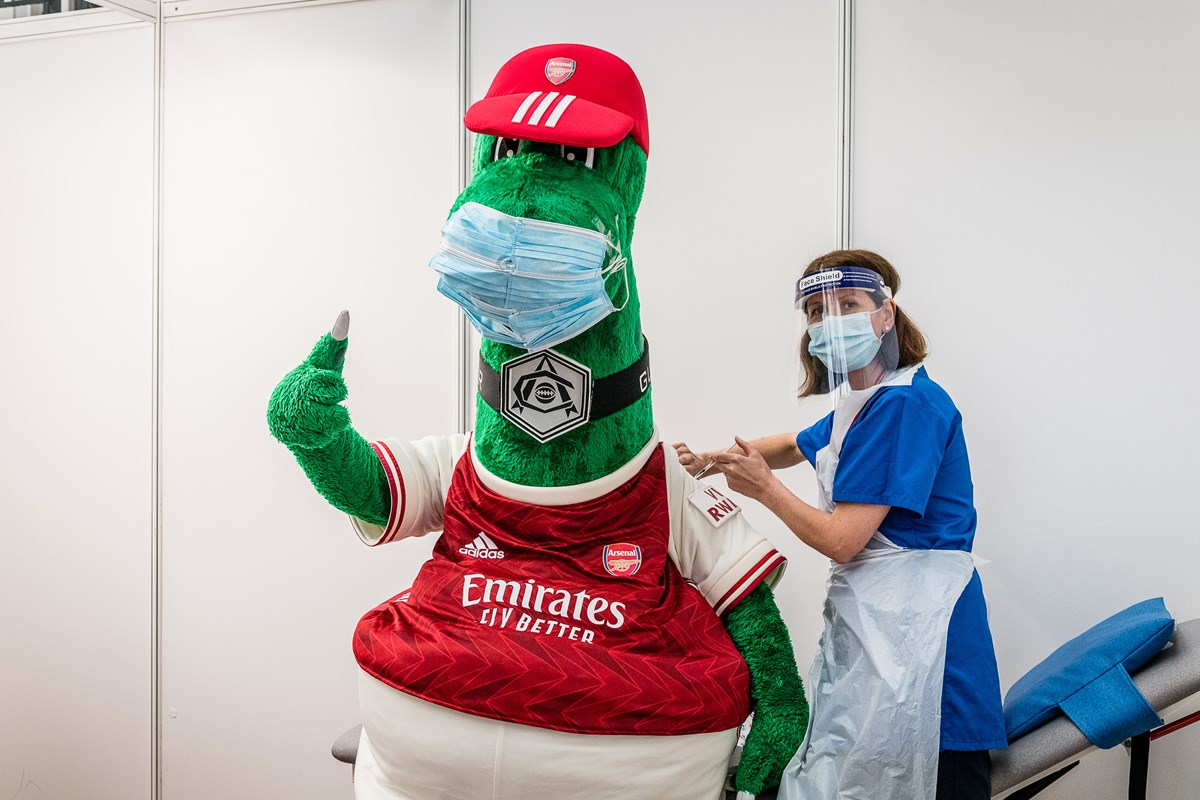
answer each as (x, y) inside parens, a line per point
(306, 415)
(777, 694)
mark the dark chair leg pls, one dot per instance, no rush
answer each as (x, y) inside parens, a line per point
(1139, 765)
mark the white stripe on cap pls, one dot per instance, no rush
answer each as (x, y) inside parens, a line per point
(559, 109)
(541, 109)
(520, 115)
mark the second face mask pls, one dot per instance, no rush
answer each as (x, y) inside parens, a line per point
(524, 282)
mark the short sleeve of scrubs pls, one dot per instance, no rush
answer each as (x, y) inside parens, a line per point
(892, 453)
(813, 438)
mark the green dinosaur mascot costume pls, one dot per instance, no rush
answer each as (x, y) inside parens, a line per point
(594, 622)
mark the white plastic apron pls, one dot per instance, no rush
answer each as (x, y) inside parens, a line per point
(875, 687)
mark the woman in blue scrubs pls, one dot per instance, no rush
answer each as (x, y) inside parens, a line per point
(905, 692)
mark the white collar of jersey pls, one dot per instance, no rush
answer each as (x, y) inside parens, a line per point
(564, 495)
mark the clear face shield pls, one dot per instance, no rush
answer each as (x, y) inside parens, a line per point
(846, 331)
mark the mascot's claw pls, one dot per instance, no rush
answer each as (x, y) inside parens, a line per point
(341, 328)
(305, 409)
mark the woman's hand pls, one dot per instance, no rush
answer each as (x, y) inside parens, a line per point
(745, 469)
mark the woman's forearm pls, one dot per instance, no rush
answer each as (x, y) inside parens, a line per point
(749, 469)
(840, 535)
(779, 450)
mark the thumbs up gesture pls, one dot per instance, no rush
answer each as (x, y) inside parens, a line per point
(305, 408)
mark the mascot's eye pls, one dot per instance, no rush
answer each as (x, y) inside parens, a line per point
(579, 155)
(506, 148)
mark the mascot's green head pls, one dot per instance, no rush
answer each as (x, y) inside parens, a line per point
(537, 253)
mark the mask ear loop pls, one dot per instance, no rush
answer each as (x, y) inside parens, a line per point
(619, 262)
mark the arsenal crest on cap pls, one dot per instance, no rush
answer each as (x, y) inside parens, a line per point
(545, 394)
(559, 69)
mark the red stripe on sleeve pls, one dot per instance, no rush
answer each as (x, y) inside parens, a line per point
(768, 564)
(391, 468)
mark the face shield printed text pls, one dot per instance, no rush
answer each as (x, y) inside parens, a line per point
(817, 279)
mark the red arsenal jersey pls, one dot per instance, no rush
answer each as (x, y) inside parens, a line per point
(571, 617)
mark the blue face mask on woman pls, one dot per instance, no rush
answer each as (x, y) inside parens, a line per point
(524, 282)
(844, 343)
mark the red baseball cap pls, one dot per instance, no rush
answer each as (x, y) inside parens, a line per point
(564, 94)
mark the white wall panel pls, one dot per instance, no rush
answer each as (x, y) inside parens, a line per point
(310, 160)
(1030, 169)
(76, 234)
(740, 195)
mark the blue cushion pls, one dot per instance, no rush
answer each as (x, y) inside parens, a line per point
(1088, 679)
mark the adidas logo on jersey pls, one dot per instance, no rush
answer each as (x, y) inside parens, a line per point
(482, 547)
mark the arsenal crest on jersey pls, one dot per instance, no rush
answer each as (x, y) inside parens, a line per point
(622, 560)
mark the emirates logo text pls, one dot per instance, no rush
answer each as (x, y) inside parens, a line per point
(554, 610)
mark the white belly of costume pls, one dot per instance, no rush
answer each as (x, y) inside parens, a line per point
(415, 750)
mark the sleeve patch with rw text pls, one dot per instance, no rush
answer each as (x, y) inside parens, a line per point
(716, 507)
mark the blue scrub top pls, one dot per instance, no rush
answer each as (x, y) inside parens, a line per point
(906, 450)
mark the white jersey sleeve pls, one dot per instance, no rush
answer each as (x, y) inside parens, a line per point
(418, 476)
(712, 544)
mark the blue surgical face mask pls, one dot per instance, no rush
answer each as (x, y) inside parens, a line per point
(524, 282)
(844, 343)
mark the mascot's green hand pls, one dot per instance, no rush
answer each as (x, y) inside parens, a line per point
(305, 414)
(305, 409)
(780, 708)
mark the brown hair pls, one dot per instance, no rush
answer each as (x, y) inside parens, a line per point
(904, 345)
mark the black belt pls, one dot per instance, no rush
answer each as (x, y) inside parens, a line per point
(609, 394)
